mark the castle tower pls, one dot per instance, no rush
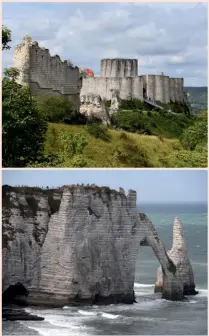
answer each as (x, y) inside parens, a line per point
(119, 67)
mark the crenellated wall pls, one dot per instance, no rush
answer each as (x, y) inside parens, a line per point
(44, 73)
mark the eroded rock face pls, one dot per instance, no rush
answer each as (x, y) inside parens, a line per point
(92, 106)
(115, 101)
(84, 251)
(77, 244)
(178, 254)
(172, 288)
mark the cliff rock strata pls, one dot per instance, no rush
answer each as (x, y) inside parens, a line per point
(172, 288)
(77, 244)
(178, 254)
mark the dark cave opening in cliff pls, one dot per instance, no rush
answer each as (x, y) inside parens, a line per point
(10, 294)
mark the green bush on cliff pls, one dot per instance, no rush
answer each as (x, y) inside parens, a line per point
(69, 153)
(133, 104)
(196, 136)
(59, 109)
(152, 123)
(98, 131)
(23, 127)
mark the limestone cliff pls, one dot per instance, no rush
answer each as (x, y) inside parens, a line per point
(173, 287)
(178, 254)
(77, 244)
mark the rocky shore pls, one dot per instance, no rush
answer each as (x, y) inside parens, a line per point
(16, 314)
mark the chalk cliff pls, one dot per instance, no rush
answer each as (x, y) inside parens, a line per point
(77, 244)
(178, 254)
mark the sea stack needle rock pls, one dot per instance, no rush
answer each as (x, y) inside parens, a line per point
(76, 245)
(178, 254)
(173, 288)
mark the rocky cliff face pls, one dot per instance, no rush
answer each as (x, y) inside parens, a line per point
(77, 244)
(178, 254)
(173, 287)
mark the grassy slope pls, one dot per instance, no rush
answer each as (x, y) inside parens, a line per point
(166, 125)
(100, 153)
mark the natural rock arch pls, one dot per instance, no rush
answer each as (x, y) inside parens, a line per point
(173, 287)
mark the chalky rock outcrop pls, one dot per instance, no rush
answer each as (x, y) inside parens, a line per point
(178, 254)
(77, 244)
(92, 106)
(173, 287)
(115, 102)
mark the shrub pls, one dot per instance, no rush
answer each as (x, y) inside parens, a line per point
(130, 153)
(197, 134)
(188, 159)
(98, 131)
(59, 109)
(54, 108)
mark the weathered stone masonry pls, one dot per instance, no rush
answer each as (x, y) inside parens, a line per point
(46, 74)
(122, 75)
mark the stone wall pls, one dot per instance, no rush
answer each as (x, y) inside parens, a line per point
(44, 73)
(119, 68)
(156, 87)
(130, 87)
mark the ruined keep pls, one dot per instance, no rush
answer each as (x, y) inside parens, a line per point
(122, 75)
(46, 74)
(77, 244)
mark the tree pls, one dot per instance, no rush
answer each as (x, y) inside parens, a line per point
(197, 134)
(23, 126)
(6, 38)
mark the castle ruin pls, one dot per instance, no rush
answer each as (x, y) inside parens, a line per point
(49, 75)
(46, 74)
(122, 75)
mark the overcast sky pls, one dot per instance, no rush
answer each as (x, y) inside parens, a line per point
(164, 37)
(157, 186)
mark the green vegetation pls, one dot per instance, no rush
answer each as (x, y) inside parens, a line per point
(152, 123)
(122, 149)
(48, 132)
(6, 38)
(58, 109)
(23, 128)
(194, 141)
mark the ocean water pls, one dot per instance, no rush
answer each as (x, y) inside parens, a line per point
(150, 315)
